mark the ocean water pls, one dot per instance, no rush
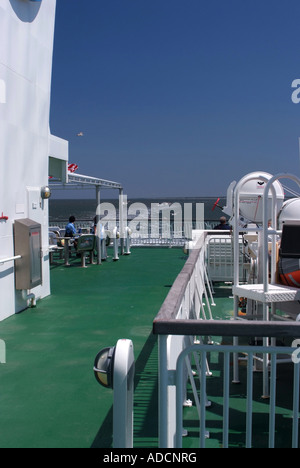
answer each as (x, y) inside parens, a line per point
(84, 210)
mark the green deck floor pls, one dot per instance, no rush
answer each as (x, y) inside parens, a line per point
(48, 393)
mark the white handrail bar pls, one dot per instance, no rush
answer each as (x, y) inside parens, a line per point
(10, 259)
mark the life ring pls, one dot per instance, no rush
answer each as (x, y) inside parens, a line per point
(242, 302)
(289, 272)
(242, 306)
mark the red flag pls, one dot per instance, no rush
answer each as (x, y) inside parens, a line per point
(72, 167)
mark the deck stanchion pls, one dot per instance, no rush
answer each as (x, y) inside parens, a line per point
(163, 392)
(114, 368)
(98, 225)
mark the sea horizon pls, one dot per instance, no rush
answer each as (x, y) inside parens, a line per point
(85, 209)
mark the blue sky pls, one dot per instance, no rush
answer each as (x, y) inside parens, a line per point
(177, 97)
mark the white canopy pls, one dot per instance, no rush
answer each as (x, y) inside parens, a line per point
(80, 181)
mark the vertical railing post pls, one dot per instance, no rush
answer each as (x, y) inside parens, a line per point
(296, 406)
(124, 369)
(163, 391)
(98, 225)
(226, 395)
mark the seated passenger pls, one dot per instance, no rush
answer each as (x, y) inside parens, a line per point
(70, 228)
(223, 226)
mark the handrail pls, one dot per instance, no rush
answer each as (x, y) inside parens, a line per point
(10, 259)
(173, 301)
(229, 328)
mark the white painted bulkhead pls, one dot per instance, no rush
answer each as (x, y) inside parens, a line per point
(26, 48)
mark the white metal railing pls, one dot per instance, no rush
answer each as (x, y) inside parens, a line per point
(155, 242)
(184, 316)
(220, 258)
(185, 302)
(200, 395)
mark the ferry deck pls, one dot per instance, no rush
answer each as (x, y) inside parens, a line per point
(48, 393)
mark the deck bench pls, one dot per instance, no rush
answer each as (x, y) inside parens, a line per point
(53, 245)
(86, 244)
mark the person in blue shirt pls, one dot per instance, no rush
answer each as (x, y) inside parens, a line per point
(70, 228)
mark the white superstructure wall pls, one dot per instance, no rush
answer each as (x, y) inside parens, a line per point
(26, 49)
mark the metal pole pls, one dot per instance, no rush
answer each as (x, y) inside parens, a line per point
(249, 401)
(272, 401)
(226, 399)
(121, 219)
(269, 187)
(296, 406)
(236, 237)
(163, 392)
(124, 369)
(98, 233)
